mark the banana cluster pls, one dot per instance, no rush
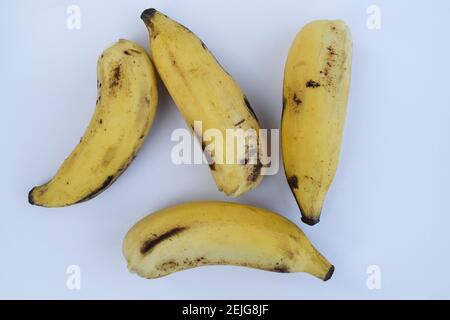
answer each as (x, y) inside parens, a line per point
(315, 96)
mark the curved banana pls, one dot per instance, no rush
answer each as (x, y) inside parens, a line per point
(220, 233)
(316, 90)
(204, 91)
(126, 107)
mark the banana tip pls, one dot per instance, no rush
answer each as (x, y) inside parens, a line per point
(30, 196)
(329, 274)
(148, 14)
(310, 221)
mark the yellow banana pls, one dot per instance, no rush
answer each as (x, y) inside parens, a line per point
(220, 233)
(316, 90)
(126, 106)
(204, 91)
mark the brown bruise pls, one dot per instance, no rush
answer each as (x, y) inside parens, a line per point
(107, 183)
(116, 76)
(293, 182)
(312, 84)
(150, 244)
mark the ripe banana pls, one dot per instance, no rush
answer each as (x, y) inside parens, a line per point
(220, 233)
(316, 90)
(126, 107)
(204, 91)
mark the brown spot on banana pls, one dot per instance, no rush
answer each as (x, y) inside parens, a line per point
(331, 51)
(116, 75)
(281, 269)
(129, 51)
(256, 172)
(312, 84)
(297, 100)
(148, 245)
(293, 182)
(315, 181)
(169, 265)
(107, 183)
(109, 156)
(290, 255)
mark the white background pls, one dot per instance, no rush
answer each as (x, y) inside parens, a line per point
(388, 205)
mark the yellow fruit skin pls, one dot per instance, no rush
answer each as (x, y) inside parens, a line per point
(316, 90)
(220, 233)
(204, 91)
(126, 107)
